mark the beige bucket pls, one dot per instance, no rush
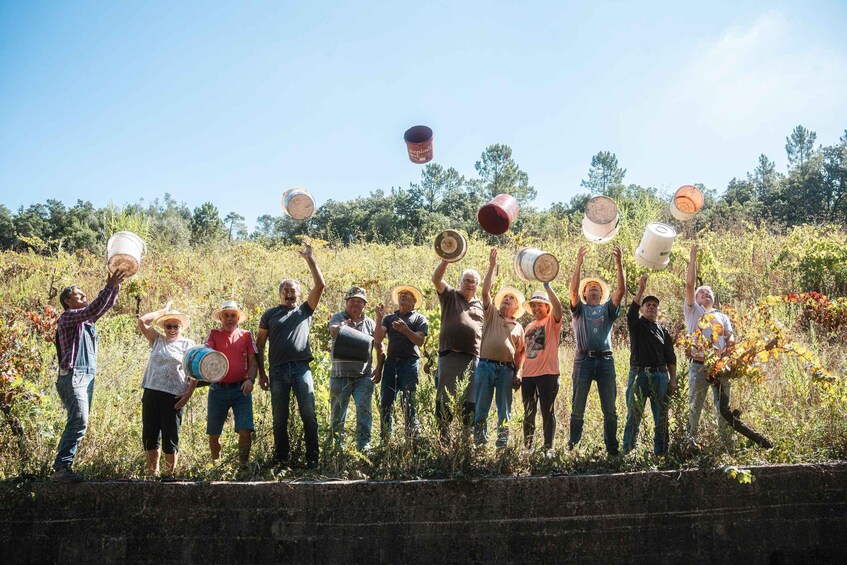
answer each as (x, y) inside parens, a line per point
(125, 250)
(298, 203)
(686, 202)
(601, 221)
(536, 265)
(451, 245)
(654, 252)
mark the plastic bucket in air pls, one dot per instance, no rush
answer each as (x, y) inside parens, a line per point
(298, 203)
(205, 364)
(497, 216)
(352, 345)
(600, 223)
(450, 245)
(654, 252)
(125, 250)
(536, 265)
(419, 144)
(686, 202)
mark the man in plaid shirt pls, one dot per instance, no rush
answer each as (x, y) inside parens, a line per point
(76, 347)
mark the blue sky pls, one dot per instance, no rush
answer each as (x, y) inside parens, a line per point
(234, 103)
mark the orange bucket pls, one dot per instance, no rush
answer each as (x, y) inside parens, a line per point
(688, 200)
(419, 144)
(497, 216)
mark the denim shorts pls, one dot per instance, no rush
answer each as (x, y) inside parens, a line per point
(220, 401)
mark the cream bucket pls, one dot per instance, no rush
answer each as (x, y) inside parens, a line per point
(654, 252)
(298, 203)
(124, 251)
(601, 221)
(450, 245)
(686, 202)
(536, 265)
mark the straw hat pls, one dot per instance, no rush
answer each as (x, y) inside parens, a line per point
(519, 298)
(415, 292)
(603, 286)
(173, 315)
(229, 305)
(539, 296)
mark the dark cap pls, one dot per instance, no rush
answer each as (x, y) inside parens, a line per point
(356, 292)
(649, 298)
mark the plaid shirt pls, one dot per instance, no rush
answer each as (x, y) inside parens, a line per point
(70, 323)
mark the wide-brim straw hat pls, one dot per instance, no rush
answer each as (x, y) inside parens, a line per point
(584, 282)
(173, 315)
(415, 292)
(519, 298)
(229, 305)
(538, 296)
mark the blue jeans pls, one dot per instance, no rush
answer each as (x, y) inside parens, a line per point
(698, 386)
(641, 386)
(601, 370)
(399, 375)
(493, 380)
(221, 399)
(75, 390)
(362, 391)
(284, 378)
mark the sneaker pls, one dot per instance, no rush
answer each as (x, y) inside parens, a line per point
(65, 475)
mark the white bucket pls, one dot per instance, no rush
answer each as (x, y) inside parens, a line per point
(679, 214)
(536, 265)
(654, 252)
(298, 203)
(601, 221)
(686, 202)
(125, 250)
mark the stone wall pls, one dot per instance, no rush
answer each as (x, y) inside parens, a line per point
(789, 514)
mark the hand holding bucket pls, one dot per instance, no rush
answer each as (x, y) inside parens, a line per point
(124, 251)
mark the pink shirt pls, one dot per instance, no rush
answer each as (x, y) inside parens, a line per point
(236, 345)
(542, 347)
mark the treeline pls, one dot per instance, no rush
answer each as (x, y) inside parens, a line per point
(813, 191)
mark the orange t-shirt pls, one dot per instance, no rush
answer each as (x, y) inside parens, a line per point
(542, 347)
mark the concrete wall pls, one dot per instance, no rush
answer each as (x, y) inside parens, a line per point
(788, 514)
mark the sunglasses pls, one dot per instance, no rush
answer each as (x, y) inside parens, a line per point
(172, 326)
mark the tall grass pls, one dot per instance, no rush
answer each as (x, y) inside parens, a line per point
(807, 422)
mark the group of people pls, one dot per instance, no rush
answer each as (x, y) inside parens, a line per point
(484, 354)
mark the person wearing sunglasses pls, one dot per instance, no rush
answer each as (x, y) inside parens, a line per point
(166, 386)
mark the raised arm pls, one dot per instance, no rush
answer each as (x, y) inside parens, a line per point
(580, 257)
(145, 323)
(691, 275)
(486, 283)
(438, 277)
(104, 300)
(620, 289)
(642, 285)
(556, 310)
(318, 283)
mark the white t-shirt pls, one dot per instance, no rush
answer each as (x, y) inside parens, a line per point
(693, 314)
(164, 370)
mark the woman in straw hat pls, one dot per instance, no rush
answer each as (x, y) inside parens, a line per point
(594, 311)
(540, 382)
(501, 355)
(166, 386)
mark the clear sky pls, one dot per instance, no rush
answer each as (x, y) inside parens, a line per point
(234, 102)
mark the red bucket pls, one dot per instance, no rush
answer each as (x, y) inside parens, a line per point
(497, 216)
(419, 144)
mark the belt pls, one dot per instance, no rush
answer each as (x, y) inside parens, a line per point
(696, 362)
(501, 363)
(598, 353)
(660, 368)
(230, 385)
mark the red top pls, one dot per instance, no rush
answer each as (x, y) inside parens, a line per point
(236, 345)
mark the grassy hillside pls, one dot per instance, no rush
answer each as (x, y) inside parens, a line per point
(807, 419)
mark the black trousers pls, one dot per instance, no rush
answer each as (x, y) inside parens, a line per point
(159, 417)
(543, 389)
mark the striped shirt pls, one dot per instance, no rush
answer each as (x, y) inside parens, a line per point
(70, 324)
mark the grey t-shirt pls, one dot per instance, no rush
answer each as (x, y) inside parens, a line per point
(398, 344)
(461, 322)
(351, 368)
(288, 333)
(592, 326)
